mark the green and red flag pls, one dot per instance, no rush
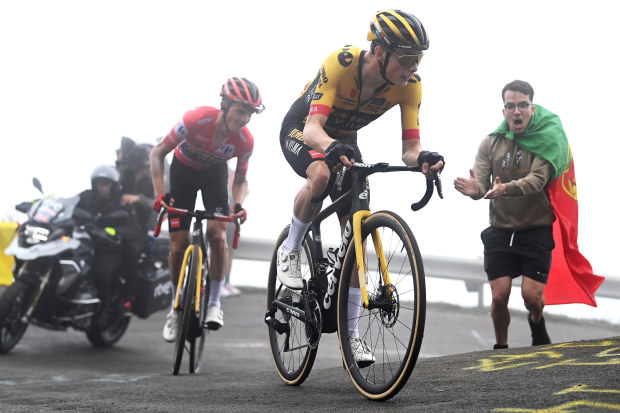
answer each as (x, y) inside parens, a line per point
(571, 279)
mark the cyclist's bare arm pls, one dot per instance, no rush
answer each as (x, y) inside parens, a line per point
(315, 136)
(411, 151)
(157, 157)
(239, 189)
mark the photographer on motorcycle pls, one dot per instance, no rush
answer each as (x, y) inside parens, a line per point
(101, 200)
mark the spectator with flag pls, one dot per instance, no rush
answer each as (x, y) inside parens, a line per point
(525, 168)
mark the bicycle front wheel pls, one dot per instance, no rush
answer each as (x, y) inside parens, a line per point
(186, 312)
(197, 345)
(292, 356)
(387, 335)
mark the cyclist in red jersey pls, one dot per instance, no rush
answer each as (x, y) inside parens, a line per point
(203, 141)
(319, 133)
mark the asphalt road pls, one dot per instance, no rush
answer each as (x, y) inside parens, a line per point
(50, 371)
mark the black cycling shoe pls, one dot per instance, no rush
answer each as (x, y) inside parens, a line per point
(539, 331)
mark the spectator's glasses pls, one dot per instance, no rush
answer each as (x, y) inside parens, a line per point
(408, 60)
(510, 107)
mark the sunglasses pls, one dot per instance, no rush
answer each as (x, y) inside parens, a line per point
(408, 60)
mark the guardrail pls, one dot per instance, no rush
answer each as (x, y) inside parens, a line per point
(470, 271)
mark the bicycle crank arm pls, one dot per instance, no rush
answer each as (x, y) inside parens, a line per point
(288, 309)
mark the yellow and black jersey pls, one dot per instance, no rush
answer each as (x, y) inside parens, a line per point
(335, 93)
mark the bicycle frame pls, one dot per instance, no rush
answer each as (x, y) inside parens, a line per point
(360, 210)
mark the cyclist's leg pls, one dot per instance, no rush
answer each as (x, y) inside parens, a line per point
(216, 234)
(308, 164)
(183, 190)
(215, 199)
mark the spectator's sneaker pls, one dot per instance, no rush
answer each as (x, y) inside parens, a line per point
(224, 292)
(231, 290)
(539, 331)
(361, 352)
(170, 328)
(215, 318)
(289, 273)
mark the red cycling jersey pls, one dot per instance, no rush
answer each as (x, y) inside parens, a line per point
(192, 138)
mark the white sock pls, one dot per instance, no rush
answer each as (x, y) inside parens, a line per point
(174, 294)
(296, 235)
(353, 310)
(214, 293)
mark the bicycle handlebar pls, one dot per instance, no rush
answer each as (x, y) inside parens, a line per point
(199, 215)
(384, 167)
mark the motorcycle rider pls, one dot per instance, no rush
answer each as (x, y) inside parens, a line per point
(103, 198)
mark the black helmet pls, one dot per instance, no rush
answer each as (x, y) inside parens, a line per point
(239, 89)
(107, 172)
(398, 30)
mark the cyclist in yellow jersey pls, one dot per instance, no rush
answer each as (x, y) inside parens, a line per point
(319, 133)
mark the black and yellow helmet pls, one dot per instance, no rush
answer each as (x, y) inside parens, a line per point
(398, 30)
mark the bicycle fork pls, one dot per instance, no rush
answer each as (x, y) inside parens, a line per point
(358, 218)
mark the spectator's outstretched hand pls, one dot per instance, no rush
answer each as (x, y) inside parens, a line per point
(467, 186)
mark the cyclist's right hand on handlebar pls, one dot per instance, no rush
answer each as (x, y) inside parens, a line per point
(240, 213)
(430, 158)
(162, 200)
(335, 151)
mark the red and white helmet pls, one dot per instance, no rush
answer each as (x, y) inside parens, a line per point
(239, 89)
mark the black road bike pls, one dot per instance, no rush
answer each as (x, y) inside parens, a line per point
(378, 248)
(192, 295)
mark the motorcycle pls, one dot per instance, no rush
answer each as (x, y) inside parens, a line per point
(54, 286)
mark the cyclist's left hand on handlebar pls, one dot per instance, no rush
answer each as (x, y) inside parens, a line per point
(334, 153)
(431, 163)
(240, 213)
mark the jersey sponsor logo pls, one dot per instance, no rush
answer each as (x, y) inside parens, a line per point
(225, 150)
(180, 130)
(175, 222)
(296, 134)
(293, 146)
(323, 77)
(345, 58)
(317, 96)
(332, 281)
(316, 155)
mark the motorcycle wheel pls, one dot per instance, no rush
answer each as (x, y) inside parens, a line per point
(13, 306)
(111, 333)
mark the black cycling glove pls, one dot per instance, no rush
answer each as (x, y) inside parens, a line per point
(431, 157)
(335, 151)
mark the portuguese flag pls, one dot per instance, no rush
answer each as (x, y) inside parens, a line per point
(571, 279)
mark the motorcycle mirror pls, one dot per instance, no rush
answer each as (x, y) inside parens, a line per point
(37, 184)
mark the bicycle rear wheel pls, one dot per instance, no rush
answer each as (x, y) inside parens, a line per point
(187, 309)
(393, 325)
(292, 356)
(197, 345)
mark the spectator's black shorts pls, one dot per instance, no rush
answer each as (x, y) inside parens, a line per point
(299, 155)
(185, 182)
(515, 253)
